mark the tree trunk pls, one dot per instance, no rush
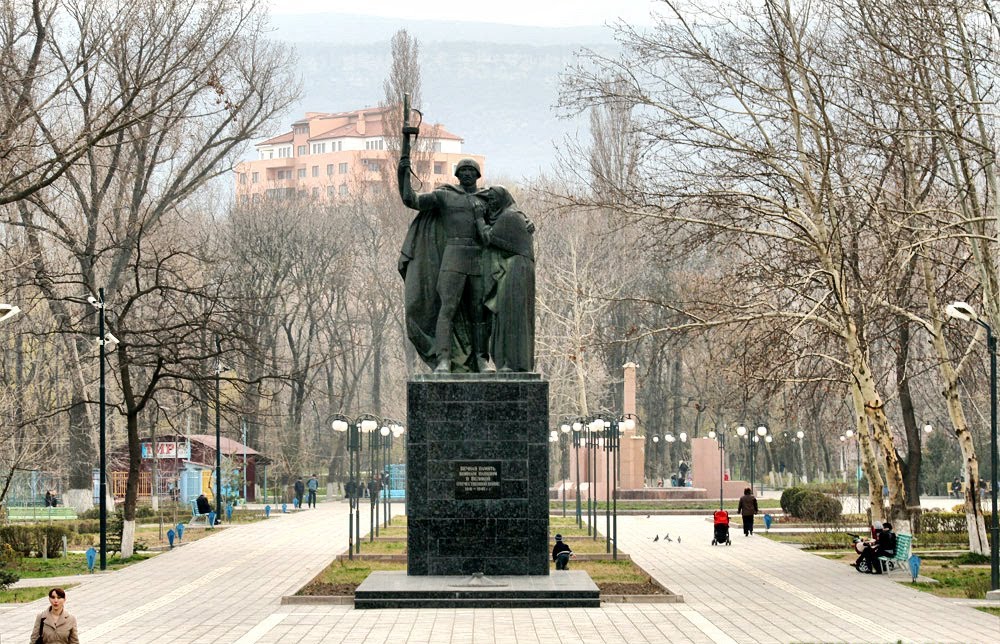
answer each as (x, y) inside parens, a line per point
(872, 407)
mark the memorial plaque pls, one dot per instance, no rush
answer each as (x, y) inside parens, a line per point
(477, 480)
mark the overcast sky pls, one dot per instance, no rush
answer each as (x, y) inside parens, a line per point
(544, 13)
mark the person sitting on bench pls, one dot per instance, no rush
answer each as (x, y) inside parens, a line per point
(203, 505)
(884, 546)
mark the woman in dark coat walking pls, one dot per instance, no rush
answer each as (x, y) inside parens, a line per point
(747, 508)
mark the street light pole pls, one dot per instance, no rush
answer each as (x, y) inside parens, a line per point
(962, 311)
(577, 427)
(721, 440)
(218, 431)
(564, 429)
(103, 483)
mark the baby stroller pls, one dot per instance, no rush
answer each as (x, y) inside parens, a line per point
(721, 528)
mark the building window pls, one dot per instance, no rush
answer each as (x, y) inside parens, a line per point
(423, 167)
(315, 170)
(284, 152)
(256, 177)
(438, 167)
(436, 146)
(302, 173)
(343, 190)
(301, 151)
(318, 148)
(376, 188)
(342, 168)
(375, 144)
(340, 146)
(329, 169)
(330, 192)
(243, 178)
(315, 193)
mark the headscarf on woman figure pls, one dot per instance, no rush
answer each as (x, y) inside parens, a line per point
(509, 272)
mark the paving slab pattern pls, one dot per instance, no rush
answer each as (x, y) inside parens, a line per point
(227, 589)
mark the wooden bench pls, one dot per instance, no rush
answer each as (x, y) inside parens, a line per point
(41, 514)
(903, 543)
(196, 517)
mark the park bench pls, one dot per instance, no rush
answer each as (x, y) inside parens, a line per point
(196, 517)
(40, 514)
(898, 560)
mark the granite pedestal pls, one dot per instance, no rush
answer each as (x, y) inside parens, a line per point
(561, 589)
(477, 455)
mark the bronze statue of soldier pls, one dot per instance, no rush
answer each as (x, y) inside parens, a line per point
(445, 232)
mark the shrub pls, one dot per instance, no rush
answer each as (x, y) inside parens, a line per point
(786, 497)
(943, 522)
(819, 507)
(26, 540)
(791, 500)
(7, 577)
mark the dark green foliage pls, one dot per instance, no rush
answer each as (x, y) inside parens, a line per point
(7, 560)
(788, 498)
(810, 504)
(7, 577)
(816, 506)
(971, 559)
(28, 539)
(942, 522)
(793, 503)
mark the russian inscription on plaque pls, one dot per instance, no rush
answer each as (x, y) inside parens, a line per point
(477, 480)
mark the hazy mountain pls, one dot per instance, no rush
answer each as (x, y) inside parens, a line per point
(493, 84)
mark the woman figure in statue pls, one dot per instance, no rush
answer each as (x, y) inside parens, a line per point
(509, 273)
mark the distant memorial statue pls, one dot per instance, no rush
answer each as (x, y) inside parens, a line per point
(469, 272)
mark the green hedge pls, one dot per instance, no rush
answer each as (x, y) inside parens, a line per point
(810, 504)
(947, 521)
(29, 539)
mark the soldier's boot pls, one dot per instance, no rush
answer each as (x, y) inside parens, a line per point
(443, 365)
(484, 364)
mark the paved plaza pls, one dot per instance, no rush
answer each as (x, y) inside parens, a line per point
(228, 588)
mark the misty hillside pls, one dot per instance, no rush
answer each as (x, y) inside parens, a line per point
(498, 94)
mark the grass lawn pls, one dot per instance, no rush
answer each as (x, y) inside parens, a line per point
(25, 595)
(72, 564)
(612, 577)
(963, 576)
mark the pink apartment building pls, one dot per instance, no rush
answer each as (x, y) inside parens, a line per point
(333, 156)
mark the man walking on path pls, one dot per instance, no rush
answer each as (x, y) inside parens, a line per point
(300, 489)
(747, 508)
(312, 485)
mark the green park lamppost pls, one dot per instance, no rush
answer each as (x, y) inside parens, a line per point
(564, 430)
(850, 436)
(219, 368)
(760, 436)
(342, 424)
(962, 311)
(721, 441)
(577, 427)
(106, 342)
(368, 424)
(741, 431)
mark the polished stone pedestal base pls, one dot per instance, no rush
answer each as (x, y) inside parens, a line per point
(477, 457)
(561, 589)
